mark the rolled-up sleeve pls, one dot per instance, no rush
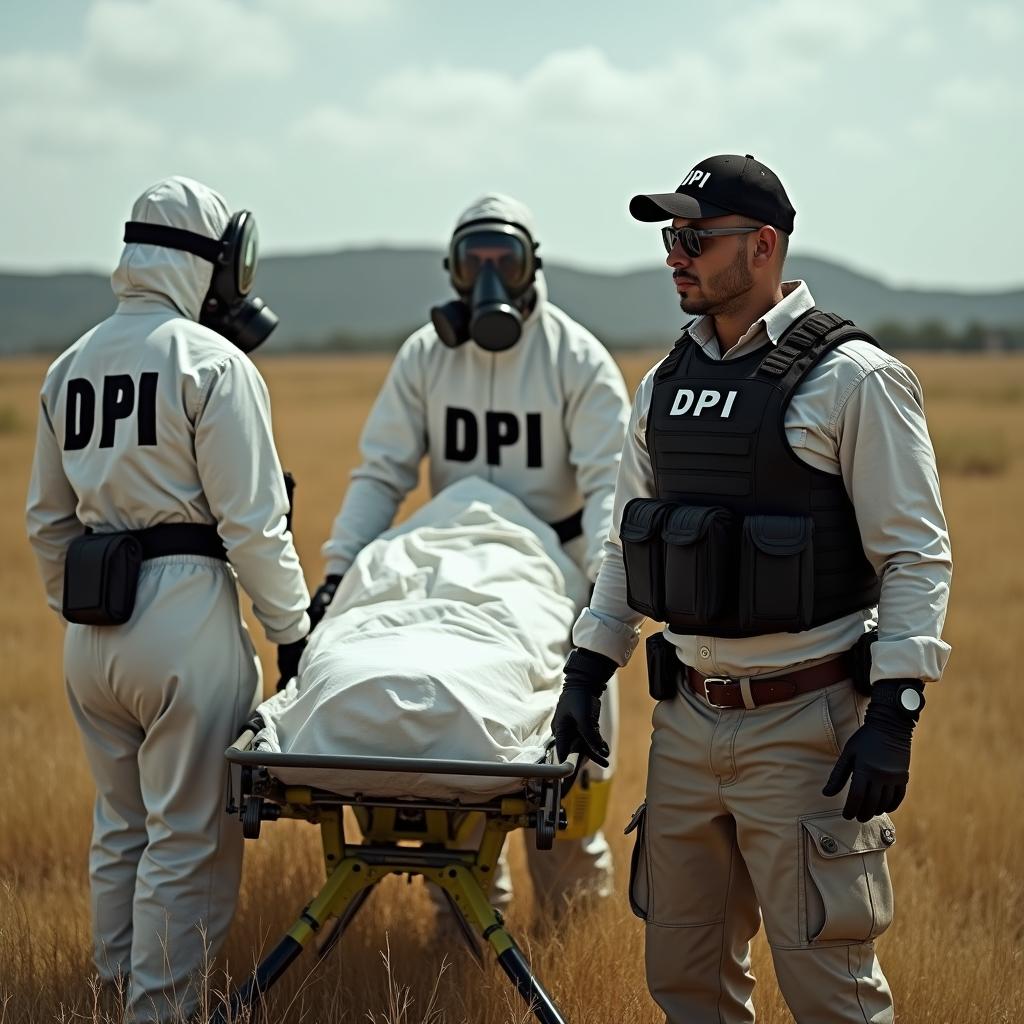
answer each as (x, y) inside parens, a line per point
(609, 626)
(888, 466)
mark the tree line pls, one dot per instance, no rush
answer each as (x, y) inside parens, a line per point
(937, 336)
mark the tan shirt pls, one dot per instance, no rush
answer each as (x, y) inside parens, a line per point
(859, 413)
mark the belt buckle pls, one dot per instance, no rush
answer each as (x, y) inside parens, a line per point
(725, 681)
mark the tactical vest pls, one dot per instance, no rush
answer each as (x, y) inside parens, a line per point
(743, 538)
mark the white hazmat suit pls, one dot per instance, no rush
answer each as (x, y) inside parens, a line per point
(159, 698)
(544, 420)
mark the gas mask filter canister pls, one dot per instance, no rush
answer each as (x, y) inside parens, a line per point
(227, 308)
(493, 266)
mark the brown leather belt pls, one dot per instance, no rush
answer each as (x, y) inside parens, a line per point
(728, 692)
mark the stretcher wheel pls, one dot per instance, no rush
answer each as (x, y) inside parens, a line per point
(545, 829)
(546, 818)
(252, 817)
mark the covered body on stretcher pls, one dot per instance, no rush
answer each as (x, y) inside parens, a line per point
(445, 641)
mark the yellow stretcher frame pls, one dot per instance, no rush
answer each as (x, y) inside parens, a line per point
(442, 828)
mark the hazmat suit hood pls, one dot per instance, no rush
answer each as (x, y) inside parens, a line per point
(496, 206)
(150, 275)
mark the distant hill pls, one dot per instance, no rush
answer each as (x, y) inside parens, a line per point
(373, 297)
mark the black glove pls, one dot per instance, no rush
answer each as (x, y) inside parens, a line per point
(288, 661)
(578, 711)
(321, 599)
(878, 754)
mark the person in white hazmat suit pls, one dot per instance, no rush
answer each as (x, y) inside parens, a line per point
(504, 385)
(154, 434)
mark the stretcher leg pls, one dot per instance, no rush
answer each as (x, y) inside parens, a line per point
(515, 965)
(333, 930)
(465, 930)
(448, 848)
(347, 885)
(465, 892)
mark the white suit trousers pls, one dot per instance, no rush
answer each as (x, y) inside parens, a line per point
(157, 701)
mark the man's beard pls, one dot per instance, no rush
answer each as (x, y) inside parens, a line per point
(722, 292)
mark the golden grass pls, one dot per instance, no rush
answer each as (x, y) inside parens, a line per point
(955, 954)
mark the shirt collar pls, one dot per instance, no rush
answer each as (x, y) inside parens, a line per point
(796, 300)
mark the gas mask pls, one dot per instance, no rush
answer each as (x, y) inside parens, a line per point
(492, 265)
(227, 308)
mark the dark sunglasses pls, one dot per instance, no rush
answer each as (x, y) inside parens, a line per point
(689, 238)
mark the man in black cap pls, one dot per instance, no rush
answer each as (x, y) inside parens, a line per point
(777, 506)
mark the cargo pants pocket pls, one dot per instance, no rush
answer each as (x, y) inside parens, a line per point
(643, 554)
(639, 867)
(777, 573)
(700, 566)
(846, 890)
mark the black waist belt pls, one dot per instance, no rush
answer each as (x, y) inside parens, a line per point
(179, 539)
(569, 528)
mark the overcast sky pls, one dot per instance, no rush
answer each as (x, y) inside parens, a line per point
(896, 125)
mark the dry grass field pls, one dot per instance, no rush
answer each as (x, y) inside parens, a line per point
(955, 954)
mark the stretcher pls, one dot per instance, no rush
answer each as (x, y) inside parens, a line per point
(419, 836)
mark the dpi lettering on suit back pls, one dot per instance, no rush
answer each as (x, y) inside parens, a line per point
(119, 401)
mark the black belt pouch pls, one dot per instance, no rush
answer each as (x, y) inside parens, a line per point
(663, 668)
(101, 575)
(860, 662)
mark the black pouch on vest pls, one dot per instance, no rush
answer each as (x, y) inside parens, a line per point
(776, 573)
(101, 574)
(663, 668)
(644, 555)
(700, 566)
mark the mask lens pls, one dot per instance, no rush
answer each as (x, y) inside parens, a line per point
(248, 254)
(507, 253)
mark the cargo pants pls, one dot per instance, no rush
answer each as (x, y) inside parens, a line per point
(735, 829)
(157, 701)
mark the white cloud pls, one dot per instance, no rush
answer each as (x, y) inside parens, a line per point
(336, 129)
(803, 26)
(815, 89)
(63, 105)
(159, 43)
(50, 109)
(918, 41)
(978, 97)
(39, 76)
(999, 23)
(65, 133)
(336, 12)
(762, 60)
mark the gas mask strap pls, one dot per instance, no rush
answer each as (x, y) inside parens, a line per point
(205, 248)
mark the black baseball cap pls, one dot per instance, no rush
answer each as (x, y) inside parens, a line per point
(718, 186)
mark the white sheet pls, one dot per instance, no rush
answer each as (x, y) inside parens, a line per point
(446, 639)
